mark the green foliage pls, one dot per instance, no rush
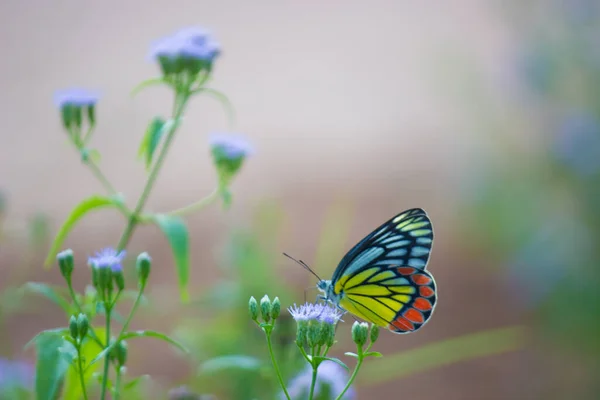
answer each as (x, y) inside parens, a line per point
(177, 234)
(54, 355)
(90, 204)
(72, 389)
(151, 139)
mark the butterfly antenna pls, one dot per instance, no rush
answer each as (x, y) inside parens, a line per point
(303, 264)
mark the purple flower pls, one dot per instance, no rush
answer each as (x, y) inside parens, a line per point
(315, 311)
(189, 43)
(231, 146)
(108, 258)
(15, 373)
(330, 376)
(75, 97)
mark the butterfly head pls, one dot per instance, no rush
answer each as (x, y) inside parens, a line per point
(328, 294)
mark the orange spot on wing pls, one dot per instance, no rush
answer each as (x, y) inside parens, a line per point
(421, 279)
(406, 270)
(402, 324)
(414, 316)
(426, 291)
(422, 304)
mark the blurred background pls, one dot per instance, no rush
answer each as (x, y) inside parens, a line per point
(484, 113)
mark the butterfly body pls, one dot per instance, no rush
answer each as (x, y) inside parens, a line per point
(383, 279)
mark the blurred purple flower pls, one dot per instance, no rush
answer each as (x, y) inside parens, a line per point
(577, 143)
(315, 311)
(231, 146)
(108, 258)
(191, 43)
(75, 97)
(16, 373)
(331, 377)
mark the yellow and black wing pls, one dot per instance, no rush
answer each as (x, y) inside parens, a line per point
(383, 278)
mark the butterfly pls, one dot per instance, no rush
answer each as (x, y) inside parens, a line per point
(383, 280)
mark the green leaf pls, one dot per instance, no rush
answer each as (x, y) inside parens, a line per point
(50, 293)
(177, 234)
(156, 335)
(87, 205)
(58, 331)
(227, 106)
(51, 365)
(449, 351)
(218, 364)
(350, 354)
(335, 360)
(72, 389)
(147, 83)
(151, 139)
(373, 354)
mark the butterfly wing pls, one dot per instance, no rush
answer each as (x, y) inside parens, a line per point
(401, 299)
(404, 240)
(383, 278)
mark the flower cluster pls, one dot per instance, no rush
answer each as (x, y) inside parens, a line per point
(190, 50)
(75, 104)
(228, 152)
(316, 324)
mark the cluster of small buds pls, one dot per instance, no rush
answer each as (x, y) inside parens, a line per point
(316, 324)
(107, 271)
(76, 106)
(78, 327)
(188, 51)
(269, 310)
(361, 333)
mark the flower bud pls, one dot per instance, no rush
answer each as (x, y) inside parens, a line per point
(302, 332)
(82, 325)
(120, 352)
(329, 334)
(143, 266)
(374, 333)
(359, 333)
(104, 279)
(313, 335)
(253, 308)
(275, 308)
(119, 279)
(96, 279)
(65, 262)
(265, 308)
(73, 329)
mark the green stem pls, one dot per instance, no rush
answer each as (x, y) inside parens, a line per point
(133, 309)
(200, 204)
(277, 371)
(100, 176)
(81, 377)
(117, 384)
(107, 357)
(180, 101)
(354, 373)
(315, 368)
(80, 310)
